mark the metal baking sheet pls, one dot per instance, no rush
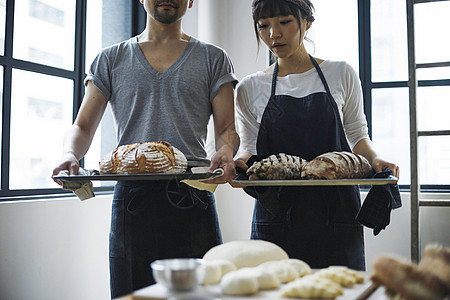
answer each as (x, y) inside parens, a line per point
(304, 182)
(136, 177)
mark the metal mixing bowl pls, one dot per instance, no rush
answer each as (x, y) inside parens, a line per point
(181, 274)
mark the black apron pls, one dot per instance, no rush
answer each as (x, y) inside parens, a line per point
(316, 224)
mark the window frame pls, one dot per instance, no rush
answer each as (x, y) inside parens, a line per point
(77, 75)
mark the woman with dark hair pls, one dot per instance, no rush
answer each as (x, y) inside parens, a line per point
(304, 106)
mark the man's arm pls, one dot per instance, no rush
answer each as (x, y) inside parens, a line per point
(226, 137)
(79, 137)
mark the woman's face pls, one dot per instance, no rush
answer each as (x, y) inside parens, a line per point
(282, 34)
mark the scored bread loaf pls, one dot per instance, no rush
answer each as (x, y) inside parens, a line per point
(277, 167)
(337, 165)
(148, 157)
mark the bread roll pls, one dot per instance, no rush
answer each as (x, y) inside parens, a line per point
(277, 167)
(337, 165)
(311, 287)
(140, 158)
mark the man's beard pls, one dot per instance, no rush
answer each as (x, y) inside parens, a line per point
(166, 17)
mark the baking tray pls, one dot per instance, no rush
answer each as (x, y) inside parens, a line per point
(312, 182)
(137, 177)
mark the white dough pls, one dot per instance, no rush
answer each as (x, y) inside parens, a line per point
(266, 280)
(215, 269)
(283, 270)
(299, 265)
(239, 284)
(249, 253)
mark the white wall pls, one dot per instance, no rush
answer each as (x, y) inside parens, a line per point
(58, 249)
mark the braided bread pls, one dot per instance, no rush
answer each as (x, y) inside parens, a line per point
(277, 167)
(139, 158)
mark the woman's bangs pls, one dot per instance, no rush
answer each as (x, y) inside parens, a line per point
(272, 8)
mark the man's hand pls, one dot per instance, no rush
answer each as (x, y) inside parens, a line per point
(69, 163)
(223, 159)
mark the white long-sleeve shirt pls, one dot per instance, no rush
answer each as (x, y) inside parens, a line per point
(253, 94)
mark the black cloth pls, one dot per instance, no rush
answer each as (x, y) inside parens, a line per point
(380, 201)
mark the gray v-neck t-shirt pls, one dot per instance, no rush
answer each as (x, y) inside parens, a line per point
(172, 106)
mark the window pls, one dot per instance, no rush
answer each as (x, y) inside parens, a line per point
(389, 98)
(44, 54)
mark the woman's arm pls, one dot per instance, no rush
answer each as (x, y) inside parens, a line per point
(366, 148)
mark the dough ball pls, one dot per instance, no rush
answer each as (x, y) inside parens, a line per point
(283, 270)
(249, 253)
(215, 269)
(300, 266)
(266, 280)
(239, 284)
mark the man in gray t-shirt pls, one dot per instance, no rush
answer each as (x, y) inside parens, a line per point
(162, 85)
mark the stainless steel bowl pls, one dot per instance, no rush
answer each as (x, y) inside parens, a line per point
(181, 274)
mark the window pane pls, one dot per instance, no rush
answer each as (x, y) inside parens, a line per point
(44, 32)
(94, 30)
(40, 115)
(2, 26)
(389, 40)
(390, 127)
(433, 73)
(433, 105)
(431, 31)
(434, 160)
(327, 31)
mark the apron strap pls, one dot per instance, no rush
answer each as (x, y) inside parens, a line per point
(274, 79)
(322, 77)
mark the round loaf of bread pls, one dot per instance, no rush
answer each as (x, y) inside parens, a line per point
(248, 253)
(141, 158)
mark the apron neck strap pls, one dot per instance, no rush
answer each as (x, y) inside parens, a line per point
(274, 79)
(322, 77)
(316, 66)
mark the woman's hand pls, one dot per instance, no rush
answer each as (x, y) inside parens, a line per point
(379, 164)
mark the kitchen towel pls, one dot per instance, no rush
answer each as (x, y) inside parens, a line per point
(375, 211)
(199, 184)
(83, 189)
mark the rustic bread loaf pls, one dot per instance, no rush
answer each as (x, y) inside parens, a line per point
(405, 280)
(337, 165)
(436, 260)
(277, 167)
(140, 158)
